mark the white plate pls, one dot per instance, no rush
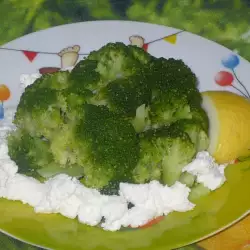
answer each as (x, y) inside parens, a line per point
(203, 56)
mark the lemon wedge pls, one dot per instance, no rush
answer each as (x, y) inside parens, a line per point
(229, 125)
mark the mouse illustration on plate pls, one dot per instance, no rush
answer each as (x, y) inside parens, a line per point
(68, 56)
(138, 41)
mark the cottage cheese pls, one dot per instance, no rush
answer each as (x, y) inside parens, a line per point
(26, 79)
(207, 170)
(66, 195)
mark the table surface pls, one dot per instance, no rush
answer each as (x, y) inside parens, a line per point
(223, 21)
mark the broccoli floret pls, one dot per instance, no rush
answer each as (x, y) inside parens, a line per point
(34, 156)
(171, 73)
(187, 179)
(176, 148)
(29, 153)
(200, 116)
(168, 107)
(164, 152)
(53, 169)
(198, 191)
(141, 120)
(174, 93)
(140, 54)
(71, 101)
(116, 60)
(196, 133)
(120, 115)
(125, 95)
(58, 80)
(112, 144)
(149, 166)
(38, 111)
(85, 75)
(63, 145)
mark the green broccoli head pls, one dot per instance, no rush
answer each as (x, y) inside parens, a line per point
(125, 95)
(149, 166)
(140, 54)
(200, 116)
(172, 150)
(85, 75)
(29, 153)
(141, 121)
(38, 111)
(174, 92)
(164, 152)
(57, 81)
(172, 73)
(116, 60)
(196, 132)
(180, 151)
(112, 143)
(120, 115)
(169, 106)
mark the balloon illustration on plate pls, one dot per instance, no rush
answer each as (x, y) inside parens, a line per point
(4, 96)
(227, 79)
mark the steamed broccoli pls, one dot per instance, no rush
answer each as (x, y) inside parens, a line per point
(58, 80)
(85, 75)
(174, 92)
(177, 150)
(168, 107)
(112, 142)
(125, 95)
(196, 132)
(187, 179)
(116, 60)
(120, 115)
(29, 153)
(170, 73)
(149, 166)
(164, 152)
(141, 120)
(37, 112)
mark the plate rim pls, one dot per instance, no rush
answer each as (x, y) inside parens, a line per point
(152, 26)
(122, 21)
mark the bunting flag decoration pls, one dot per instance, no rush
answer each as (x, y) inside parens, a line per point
(171, 39)
(30, 55)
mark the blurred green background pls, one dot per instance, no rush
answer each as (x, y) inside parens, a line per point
(223, 21)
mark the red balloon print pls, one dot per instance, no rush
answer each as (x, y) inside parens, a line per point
(224, 78)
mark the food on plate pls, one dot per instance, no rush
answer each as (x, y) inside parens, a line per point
(229, 131)
(104, 120)
(118, 141)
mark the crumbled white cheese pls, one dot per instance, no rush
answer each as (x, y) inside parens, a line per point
(208, 172)
(25, 189)
(8, 168)
(113, 210)
(58, 190)
(28, 79)
(157, 197)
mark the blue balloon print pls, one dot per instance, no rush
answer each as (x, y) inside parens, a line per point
(1, 111)
(231, 61)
